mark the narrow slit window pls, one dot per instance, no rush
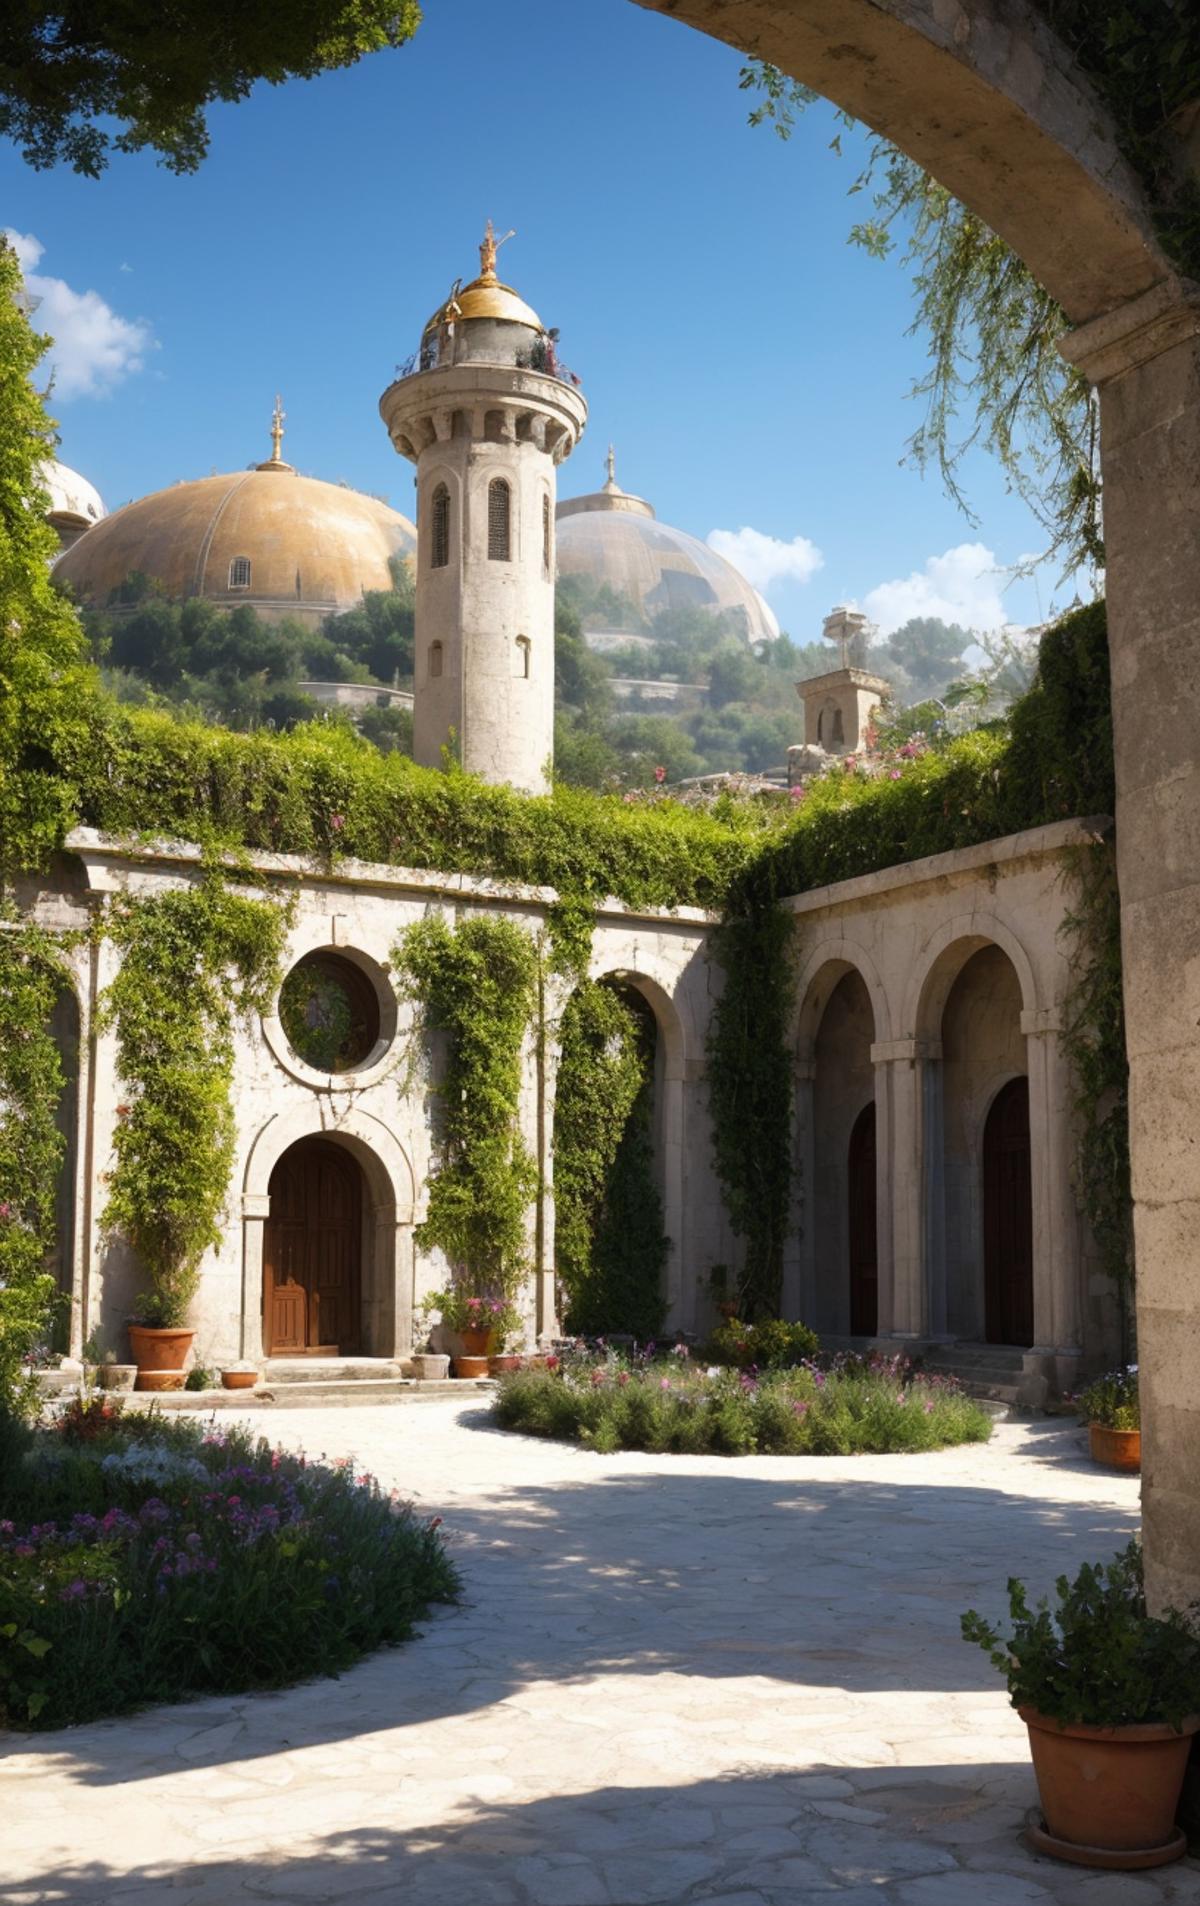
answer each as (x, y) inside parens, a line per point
(521, 667)
(239, 573)
(499, 521)
(435, 659)
(546, 546)
(441, 527)
(839, 731)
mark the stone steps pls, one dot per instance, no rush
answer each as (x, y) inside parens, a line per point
(319, 1395)
(316, 1370)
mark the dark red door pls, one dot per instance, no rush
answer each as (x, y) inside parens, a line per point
(864, 1265)
(1008, 1218)
(312, 1253)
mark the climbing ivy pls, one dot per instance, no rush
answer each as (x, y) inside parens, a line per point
(750, 1095)
(477, 986)
(610, 1248)
(191, 961)
(32, 975)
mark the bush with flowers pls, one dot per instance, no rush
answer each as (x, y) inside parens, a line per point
(144, 1560)
(460, 1310)
(667, 1404)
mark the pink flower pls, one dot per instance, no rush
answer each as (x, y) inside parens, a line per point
(895, 775)
(337, 822)
(665, 1383)
(660, 775)
(797, 794)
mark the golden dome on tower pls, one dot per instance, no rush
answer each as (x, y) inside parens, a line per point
(286, 544)
(485, 296)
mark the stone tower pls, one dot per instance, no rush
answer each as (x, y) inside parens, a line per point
(486, 413)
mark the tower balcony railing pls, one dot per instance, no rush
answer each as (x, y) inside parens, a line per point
(541, 357)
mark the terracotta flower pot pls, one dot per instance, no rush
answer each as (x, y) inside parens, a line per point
(1119, 1449)
(1109, 1794)
(239, 1379)
(160, 1380)
(470, 1367)
(502, 1365)
(160, 1350)
(475, 1343)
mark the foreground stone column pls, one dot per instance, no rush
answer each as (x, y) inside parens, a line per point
(1051, 1365)
(1145, 359)
(903, 1089)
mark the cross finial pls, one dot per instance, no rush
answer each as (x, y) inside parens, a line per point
(610, 465)
(277, 418)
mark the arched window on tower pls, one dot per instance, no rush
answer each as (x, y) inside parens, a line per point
(521, 668)
(239, 573)
(441, 528)
(546, 545)
(499, 524)
(435, 659)
(839, 731)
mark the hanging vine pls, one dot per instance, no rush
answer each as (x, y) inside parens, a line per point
(191, 961)
(477, 985)
(750, 1096)
(610, 1247)
(32, 1147)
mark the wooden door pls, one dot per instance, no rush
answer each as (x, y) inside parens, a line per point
(1008, 1218)
(312, 1253)
(864, 1263)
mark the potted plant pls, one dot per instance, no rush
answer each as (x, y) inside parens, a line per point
(506, 1324)
(1112, 1412)
(159, 1336)
(478, 1319)
(242, 1375)
(1111, 1698)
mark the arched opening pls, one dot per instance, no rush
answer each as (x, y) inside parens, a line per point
(842, 1205)
(522, 652)
(313, 1252)
(983, 1049)
(499, 521)
(1008, 1218)
(861, 1226)
(439, 554)
(609, 1154)
(435, 660)
(839, 729)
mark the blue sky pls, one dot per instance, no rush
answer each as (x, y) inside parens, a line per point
(750, 366)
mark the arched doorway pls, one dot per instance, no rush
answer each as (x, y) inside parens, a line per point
(864, 1262)
(312, 1253)
(835, 1207)
(1008, 1218)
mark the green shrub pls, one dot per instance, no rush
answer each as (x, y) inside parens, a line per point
(146, 1562)
(771, 1345)
(1097, 1657)
(1112, 1401)
(670, 1407)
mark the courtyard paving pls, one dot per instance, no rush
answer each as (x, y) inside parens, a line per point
(671, 1680)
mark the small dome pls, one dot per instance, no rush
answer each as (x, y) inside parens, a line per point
(284, 543)
(71, 496)
(485, 296)
(612, 537)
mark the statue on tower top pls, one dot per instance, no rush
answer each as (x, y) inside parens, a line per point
(490, 246)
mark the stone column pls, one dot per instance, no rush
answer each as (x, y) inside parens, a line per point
(902, 1085)
(256, 1209)
(1057, 1253)
(799, 1257)
(1145, 360)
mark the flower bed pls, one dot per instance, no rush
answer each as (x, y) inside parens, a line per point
(836, 1407)
(145, 1561)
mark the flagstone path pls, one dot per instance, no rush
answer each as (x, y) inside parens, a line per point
(736, 1682)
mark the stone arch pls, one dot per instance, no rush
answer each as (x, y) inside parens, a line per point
(943, 957)
(838, 1088)
(675, 1048)
(387, 1266)
(824, 966)
(991, 102)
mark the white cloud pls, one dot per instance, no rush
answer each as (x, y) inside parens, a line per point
(764, 560)
(962, 585)
(94, 349)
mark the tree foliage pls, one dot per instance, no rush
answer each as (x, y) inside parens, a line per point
(476, 985)
(69, 69)
(190, 960)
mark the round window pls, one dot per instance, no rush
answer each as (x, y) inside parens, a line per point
(329, 1011)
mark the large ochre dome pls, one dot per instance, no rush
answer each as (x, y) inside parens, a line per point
(284, 543)
(615, 538)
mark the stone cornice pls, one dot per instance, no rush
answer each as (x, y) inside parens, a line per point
(1161, 318)
(108, 861)
(1035, 843)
